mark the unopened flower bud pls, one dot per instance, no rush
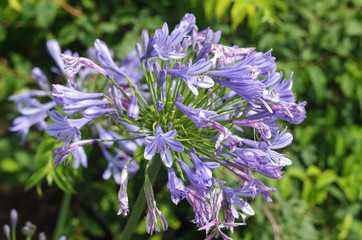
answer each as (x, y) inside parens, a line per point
(162, 77)
(178, 98)
(133, 109)
(159, 106)
(13, 218)
(198, 47)
(6, 230)
(145, 39)
(169, 125)
(138, 50)
(185, 46)
(147, 66)
(118, 105)
(216, 37)
(95, 112)
(42, 236)
(156, 68)
(177, 65)
(193, 38)
(209, 34)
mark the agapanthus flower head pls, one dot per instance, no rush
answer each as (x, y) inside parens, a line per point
(210, 107)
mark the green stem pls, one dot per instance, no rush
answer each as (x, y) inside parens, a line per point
(63, 212)
(13, 233)
(141, 201)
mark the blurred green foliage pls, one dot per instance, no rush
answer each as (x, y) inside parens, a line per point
(320, 41)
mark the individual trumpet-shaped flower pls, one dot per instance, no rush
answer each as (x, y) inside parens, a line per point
(234, 195)
(194, 74)
(228, 55)
(200, 117)
(82, 105)
(40, 78)
(201, 208)
(293, 112)
(96, 112)
(55, 51)
(175, 186)
(217, 202)
(33, 113)
(257, 124)
(152, 210)
(61, 153)
(66, 95)
(164, 45)
(64, 127)
(160, 143)
(122, 193)
(73, 65)
(202, 171)
(260, 161)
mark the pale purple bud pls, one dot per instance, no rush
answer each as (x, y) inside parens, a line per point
(204, 52)
(193, 37)
(119, 107)
(216, 37)
(219, 63)
(133, 109)
(6, 230)
(138, 50)
(198, 47)
(156, 68)
(169, 125)
(147, 66)
(63, 238)
(92, 54)
(209, 34)
(185, 45)
(179, 98)
(114, 91)
(145, 39)
(177, 65)
(95, 112)
(13, 218)
(40, 79)
(42, 236)
(162, 77)
(159, 106)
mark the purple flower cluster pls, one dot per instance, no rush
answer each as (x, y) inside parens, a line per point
(210, 108)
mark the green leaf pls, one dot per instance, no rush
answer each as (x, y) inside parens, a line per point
(2, 33)
(327, 177)
(238, 13)
(307, 192)
(9, 165)
(221, 7)
(286, 186)
(62, 182)
(319, 81)
(297, 172)
(45, 13)
(44, 152)
(68, 34)
(314, 171)
(36, 178)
